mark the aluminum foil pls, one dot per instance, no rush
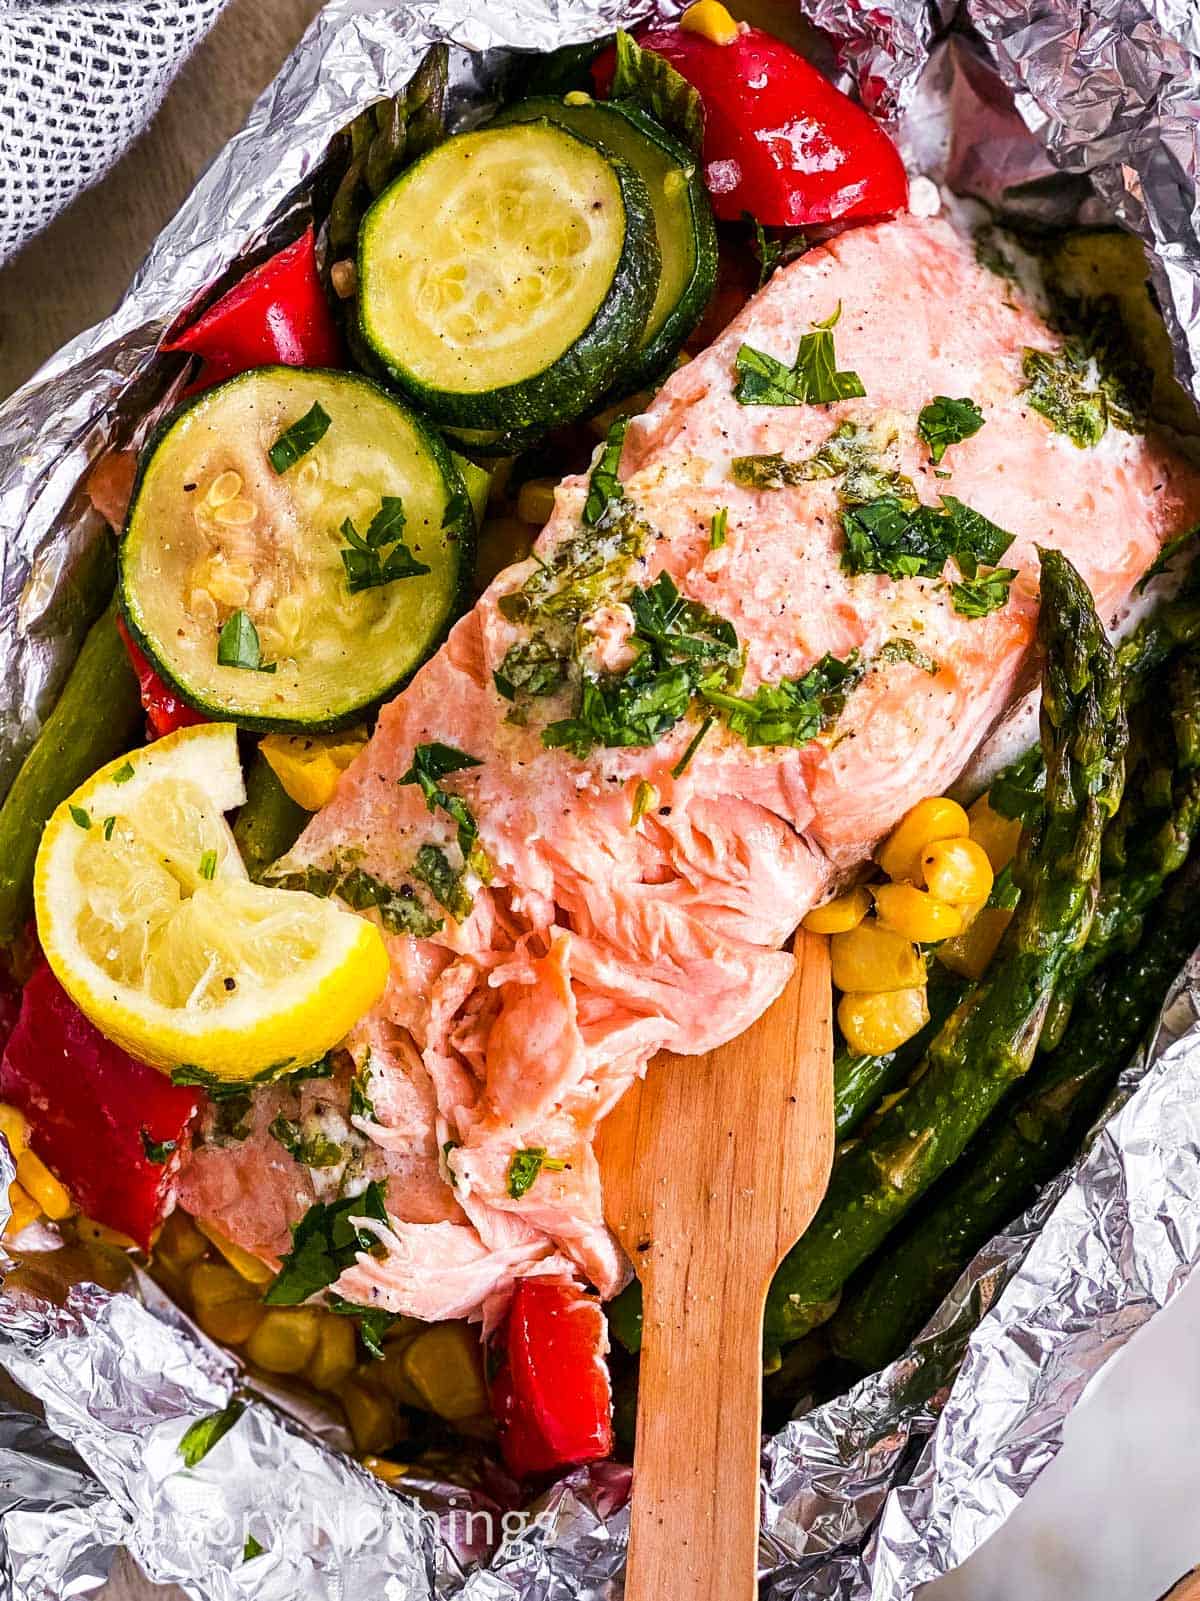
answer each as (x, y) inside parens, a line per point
(880, 1490)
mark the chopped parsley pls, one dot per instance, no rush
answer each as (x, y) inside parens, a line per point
(324, 1244)
(200, 1436)
(524, 1167)
(401, 910)
(812, 379)
(794, 710)
(903, 650)
(531, 667)
(238, 645)
(650, 81)
(1093, 381)
(979, 594)
(157, 1151)
(772, 252)
(317, 1150)
(123, 773)
(945, 422)
(251, 1549)
(718, 528)
(361, 1104)
(107, 827)
(604, 487)
(300, 438)
(80, 817)
(381, 556)
(444, 882)
(858, 455)
(208, 865)
(694, 744)
(373, 1322)
(905, 539)
(434, 761)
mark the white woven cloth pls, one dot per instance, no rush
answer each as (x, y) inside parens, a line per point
(80, 79)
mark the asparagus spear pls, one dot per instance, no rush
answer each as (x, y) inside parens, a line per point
(861, 1082)
(1024, 1144)
(989, 1040)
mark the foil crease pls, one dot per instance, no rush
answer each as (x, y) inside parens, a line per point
(877, 1491)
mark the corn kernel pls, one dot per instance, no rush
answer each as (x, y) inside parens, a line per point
(444, 1364)
(246, 1266)
(285, 1339)
(710, 20)
(391, 1372)
(535, 501)
(874, 1024)
(15, 1128)
(390, 1472)
(998, 835)
(223, 1304)
(871, 957)
(372, 1417)
(957, 870)
(841, 914)
(970, 953)
(335, 1355)
(179, 1242)
(935, 818)
(24, 1208)
(916, 914)
(49, 1193)
(310, 765)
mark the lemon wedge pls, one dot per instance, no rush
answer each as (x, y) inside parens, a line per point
(148, 918)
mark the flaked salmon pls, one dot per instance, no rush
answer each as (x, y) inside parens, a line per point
(618, 874)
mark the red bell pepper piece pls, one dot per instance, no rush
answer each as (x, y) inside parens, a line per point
(165, 711)
(551, 1398)
(277, 313)
(779, 140)
(96, 1117)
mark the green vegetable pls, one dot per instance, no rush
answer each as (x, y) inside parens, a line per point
(861, 1082)
(433, 868)
(373, 1322)
(80, 817)
(988, 1041)
(794, 710)
(812, 379)
(97, 715)
(718, 530)
(338, 659)
(434, 761)
(853, 453)
(487, 362)
(773, 251)
(400, 908)
(200, 1437)
(693, 745)
(297, 440)
(269, 823)
(944, 422)
(907, 540)
(251, 1549)
(982, 593)
(324, 1244)
(524, 1167)
(604, 486)
(653, 83)
(315, 1151)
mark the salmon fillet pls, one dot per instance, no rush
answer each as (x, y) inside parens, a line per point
(596, 941)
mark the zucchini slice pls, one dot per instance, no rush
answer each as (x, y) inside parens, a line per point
(227, 554)
(504, 277)
(683, 218)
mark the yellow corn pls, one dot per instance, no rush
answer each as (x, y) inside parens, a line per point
(391, 1372)
(14, 1128)
(872, 1025)
(936, 818)
(93, 1233)
(285, 1338)
(50, 1194)
(710, 20)
(335, 1355)
(957, 870)
(444, 1365)
(249, 1267)
(840, 915)
(179, 1242)
(384, 1469)
(916, 914)
(998, 835)
(309, 765)
(25, 1210)
(970, 953)
(535, 501)
(372, 1417)
(223, 1304)
(871, 957)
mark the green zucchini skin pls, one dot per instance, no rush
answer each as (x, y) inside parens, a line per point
(633, 128)
(461, 533)
(571, 382)
(98, 715)
(270, 822)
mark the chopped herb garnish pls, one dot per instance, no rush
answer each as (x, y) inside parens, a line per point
(582, 572)
(859, 456)
(316, 1150)
(905, 539)
(208, 865)
(251, 1549)
(232, 1118)
(774, 252)
(157, 1151)
(1166, 556)
(369, 562)
(299, 439)
(373, 1322)
(793, 711)
(645, 799)
(903, 650)
(444, 882)
(1093, 380)
(694, 744)
(80, 817)
(238, 645)
(981, 593)
(324, 1244)
(718, 528)
(944, 422)
(401, 911)
(361, 1104)
(107, 827)
(200, 1437)
(604, 487)
(525, 1166)
(532, 668)
(434, 761)
(652, 83)
(123, 773)
(1019, 791)
(812, 379)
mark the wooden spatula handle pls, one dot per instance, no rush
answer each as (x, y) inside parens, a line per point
(694, 1531)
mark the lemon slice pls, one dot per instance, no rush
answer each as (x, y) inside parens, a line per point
(151, 925)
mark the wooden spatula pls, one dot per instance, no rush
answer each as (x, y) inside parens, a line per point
(713, 1168)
